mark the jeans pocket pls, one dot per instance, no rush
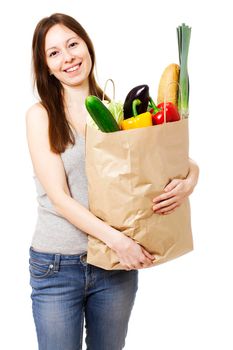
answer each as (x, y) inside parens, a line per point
(40, 269)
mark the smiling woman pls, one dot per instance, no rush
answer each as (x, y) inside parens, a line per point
(60, 45)
(65, 288)
(68, 61)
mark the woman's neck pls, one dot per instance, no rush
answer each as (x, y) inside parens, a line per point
(75, 109)
(75, 96)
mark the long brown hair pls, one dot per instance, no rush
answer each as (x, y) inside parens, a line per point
(49, 88)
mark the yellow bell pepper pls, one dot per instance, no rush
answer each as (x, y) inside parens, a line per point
(137, 121)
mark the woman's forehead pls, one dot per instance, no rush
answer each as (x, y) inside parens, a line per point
(57, 35)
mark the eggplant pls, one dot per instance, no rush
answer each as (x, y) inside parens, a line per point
(140, 92)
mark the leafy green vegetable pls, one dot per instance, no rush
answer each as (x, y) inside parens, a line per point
(183, 35)
(116, 108)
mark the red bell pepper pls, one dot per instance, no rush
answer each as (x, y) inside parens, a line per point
(172, 114)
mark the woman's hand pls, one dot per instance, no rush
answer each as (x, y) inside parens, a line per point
(176, 192)
(131, 255)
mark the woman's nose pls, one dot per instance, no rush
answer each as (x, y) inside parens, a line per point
(68, 57)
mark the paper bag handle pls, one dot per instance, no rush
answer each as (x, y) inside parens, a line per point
(165, 100)
(105, 86)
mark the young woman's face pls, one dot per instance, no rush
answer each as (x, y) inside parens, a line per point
(67, 55)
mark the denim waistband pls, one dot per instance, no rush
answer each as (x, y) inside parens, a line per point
(57, 258)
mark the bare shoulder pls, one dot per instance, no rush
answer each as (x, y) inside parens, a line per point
(37, 126)
(36, 108)
(36, 116)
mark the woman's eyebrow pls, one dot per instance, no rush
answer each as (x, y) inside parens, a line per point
(54, 47)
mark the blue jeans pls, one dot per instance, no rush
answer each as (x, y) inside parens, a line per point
(65, 289)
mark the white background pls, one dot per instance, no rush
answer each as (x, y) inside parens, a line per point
(183, 304)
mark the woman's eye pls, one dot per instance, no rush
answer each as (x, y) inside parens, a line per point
(73, 44)
(53, 53)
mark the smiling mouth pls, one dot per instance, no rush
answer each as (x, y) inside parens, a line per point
(74, 68)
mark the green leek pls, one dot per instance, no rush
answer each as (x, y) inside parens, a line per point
(183, 34)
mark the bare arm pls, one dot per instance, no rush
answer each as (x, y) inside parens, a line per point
(49, 169)
(176, 191)
(193, 174)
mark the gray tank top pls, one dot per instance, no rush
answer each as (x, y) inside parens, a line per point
(53, 233)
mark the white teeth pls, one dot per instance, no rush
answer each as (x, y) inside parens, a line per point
(73, 68)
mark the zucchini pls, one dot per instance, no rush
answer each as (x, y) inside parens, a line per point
(101, 115)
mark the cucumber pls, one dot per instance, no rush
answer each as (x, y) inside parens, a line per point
(101, 115)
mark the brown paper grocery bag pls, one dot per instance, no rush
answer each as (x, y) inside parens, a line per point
(125, 171)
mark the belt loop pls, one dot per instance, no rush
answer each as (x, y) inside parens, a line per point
(83, 259)
(57, 262)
